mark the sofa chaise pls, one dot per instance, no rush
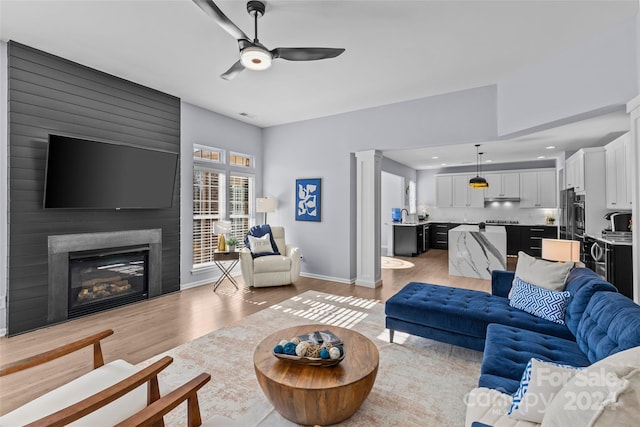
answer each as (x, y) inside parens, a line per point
(461, 316)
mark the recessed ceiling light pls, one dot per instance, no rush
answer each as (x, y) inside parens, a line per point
(444, 164)
(488, 161)
(551, 147)
(435, 157)
(541, 157)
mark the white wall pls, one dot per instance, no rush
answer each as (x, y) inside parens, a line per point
(598, 73)
(4, 185)
(203, 127)
(391, 196)
(323, 148)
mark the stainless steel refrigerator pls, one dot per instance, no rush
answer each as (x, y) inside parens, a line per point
(567, 224)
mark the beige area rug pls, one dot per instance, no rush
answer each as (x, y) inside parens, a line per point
(420, 382)
(395, 263)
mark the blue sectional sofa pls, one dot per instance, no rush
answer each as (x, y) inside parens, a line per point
(461, 316)
(599, 322)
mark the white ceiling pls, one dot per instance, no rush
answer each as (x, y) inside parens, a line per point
(395, 50)
(548, 144)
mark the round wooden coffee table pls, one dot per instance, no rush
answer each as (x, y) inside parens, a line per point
(311, 395)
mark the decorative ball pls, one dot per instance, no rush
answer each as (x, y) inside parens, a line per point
(334, 353)
(279, 349)
(313, 351)
(290, 349)
(295, 340)
(339, 347)
(324, 354)
(283, 342)
(301, 349)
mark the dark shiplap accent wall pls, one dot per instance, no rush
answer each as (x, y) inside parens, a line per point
(48, 94)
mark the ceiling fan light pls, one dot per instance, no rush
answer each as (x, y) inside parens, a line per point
(255, 59)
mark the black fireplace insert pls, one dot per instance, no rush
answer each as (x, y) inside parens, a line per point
(107, 278)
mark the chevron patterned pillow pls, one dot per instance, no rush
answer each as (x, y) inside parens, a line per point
(540, 302)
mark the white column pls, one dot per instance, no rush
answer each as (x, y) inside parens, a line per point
(633, 108)
(369, 169)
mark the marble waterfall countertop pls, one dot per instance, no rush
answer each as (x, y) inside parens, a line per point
(476, 253)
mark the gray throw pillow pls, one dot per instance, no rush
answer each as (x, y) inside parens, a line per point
(546, 274)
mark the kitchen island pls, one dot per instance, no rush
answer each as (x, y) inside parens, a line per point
(476, 253)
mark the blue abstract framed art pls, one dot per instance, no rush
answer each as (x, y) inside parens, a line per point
(308, 199)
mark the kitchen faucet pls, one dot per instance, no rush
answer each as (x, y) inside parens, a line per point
(404, 213)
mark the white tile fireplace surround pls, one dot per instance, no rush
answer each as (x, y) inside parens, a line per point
(61, 246)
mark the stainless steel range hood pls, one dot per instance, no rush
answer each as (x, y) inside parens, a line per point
(502, 199)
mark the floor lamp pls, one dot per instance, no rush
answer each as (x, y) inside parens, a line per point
(265, 205)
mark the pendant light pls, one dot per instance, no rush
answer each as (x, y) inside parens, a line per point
(478, 181)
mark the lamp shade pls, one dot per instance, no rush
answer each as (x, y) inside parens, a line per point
(222, 226)
(478, 182)
(265, 205)
(561, 250)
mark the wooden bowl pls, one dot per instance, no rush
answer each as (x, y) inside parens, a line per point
(309, 361)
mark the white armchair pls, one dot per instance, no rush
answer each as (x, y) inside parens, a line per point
(271, 270)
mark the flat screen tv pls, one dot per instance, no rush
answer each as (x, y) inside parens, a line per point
(85, 174)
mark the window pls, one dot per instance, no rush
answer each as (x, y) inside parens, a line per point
(207, 154)
(237, 159)
(219, 193)
(412, 197)
(208, 207)
(240, 206)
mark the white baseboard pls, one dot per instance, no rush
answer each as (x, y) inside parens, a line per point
(209, 280)
(328, 278)
(212, 279)
(3, 332)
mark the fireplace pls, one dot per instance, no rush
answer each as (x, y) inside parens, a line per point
(92, 272)
(107, 278)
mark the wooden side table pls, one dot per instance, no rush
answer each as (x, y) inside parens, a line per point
(231, 258)
(312, 395)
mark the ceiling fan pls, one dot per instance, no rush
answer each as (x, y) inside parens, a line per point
(253, 54)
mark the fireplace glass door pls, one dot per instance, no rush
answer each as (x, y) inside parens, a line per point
(99, 280)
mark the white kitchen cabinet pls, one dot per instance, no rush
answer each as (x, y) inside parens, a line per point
(502, 185)
(538, 189)
(574, 167)
(617, 189)
(547, 189)
(465, 196)
(570, 166)
(585, 159)
(444, 191)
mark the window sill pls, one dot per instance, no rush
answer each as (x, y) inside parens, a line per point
(204, 268)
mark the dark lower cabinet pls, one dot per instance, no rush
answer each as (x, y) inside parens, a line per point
(513, 239)
(409, 240)
(439, 235)
(531, 238)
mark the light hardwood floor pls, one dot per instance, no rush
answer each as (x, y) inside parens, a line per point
(145, 329)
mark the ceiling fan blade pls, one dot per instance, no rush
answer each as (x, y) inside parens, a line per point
(233, 71)
(305, 53)
(210, 8)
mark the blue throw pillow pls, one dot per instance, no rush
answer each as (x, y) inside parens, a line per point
(261, 231)
(540, 302)
(541, 382)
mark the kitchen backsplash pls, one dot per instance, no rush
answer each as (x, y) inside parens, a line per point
(501, 211)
